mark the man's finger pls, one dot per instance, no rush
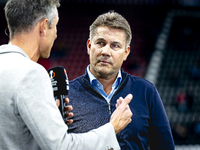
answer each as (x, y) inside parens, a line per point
(68, 108)
(57, 102)
(70, 121)
(69, 115)
(128, 98)
(119, 102)
(66, 100)
(126, 101)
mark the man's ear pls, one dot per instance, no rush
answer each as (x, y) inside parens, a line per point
(88, 46)
(127, 52)
(43, 27)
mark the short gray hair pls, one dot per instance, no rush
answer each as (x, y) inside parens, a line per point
(113, 20)
(23, 15)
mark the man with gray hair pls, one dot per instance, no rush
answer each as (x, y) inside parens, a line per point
(104, 81)
(29, 117)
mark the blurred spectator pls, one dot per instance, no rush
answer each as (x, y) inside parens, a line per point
(196, 128)
(179, 132)
(196, 131)
(181, 103)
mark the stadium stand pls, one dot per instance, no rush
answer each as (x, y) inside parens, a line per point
(177, 75)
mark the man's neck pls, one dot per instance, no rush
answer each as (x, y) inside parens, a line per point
(27, 44)
(107, 83)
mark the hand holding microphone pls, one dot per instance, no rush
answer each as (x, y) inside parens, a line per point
(60, 85)
(67, 109)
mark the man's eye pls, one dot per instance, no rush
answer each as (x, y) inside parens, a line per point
(114, 45)
(100, 43)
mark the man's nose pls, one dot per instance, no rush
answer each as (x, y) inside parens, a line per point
(106, 50)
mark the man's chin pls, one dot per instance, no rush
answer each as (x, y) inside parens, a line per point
(103, 70)
(104, 73)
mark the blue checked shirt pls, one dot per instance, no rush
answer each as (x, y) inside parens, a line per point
(99, 87)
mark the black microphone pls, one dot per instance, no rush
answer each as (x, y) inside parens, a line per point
(60, 85)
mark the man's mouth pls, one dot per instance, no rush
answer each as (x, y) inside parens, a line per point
(104, 62)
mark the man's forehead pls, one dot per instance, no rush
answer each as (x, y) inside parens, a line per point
(113, 34)
(106, 28)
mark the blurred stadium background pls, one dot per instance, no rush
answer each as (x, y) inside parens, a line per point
(165, 50)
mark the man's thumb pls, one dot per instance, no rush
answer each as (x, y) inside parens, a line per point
(126, 101)
(128, 98)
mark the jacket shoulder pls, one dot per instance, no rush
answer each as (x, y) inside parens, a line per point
(139, 80)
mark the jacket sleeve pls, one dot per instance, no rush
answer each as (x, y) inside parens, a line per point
(36, 106)
(160, 131)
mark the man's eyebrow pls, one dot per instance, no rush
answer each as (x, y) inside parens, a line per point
(100, 39)
(113, 42)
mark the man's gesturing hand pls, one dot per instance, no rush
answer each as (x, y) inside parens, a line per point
(121, 117)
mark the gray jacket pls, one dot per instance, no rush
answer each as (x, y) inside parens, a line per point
(29, 117)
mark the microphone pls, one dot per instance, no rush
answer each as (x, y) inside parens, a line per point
(60, 85)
